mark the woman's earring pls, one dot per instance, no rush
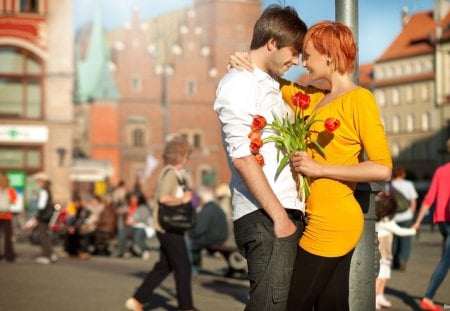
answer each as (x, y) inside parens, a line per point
(328, 62)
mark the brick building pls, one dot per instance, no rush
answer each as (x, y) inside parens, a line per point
(166, 70)
(36, 86)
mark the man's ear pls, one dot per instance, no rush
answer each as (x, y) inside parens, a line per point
(272, 44)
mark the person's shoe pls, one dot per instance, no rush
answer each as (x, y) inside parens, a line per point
(84, 256)
(427, 304)
(133, 305)
(53, 258)
(43, 260)
(127, 255)
(146, 255)
(383, 302)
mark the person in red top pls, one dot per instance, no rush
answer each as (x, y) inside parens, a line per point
(8, 196)
(439, 192)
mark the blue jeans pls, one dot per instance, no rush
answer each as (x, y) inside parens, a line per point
(137, 234)
(442, 267)
(270, 260)
(401, 245)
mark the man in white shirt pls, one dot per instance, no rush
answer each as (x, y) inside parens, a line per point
(267, 215)
(401, 246)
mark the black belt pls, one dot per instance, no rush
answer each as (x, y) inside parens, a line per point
(297, 215)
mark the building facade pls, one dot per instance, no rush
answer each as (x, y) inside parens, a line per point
(36, 87)
(412, 87)
(166, 70)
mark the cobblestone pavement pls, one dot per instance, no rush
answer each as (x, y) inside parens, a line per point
(104, 283)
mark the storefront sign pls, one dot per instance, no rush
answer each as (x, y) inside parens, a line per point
(23, 133)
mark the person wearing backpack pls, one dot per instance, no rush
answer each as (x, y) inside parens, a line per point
(8, 196)
(403, 190)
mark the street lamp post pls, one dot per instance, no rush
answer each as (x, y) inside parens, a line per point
(165, 71)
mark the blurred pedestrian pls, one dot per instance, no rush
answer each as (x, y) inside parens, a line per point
(8, 196)
(137, 218)
(401, 245)
(386, 228)
(72, 238)
(439, 193)
(119, 194)
(44, 215)
(211, 227)
(173, 252)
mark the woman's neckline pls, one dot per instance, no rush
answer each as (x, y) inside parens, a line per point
(340, 94)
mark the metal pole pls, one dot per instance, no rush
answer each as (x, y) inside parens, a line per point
(165, 103)
(364, 261)
(347, 13)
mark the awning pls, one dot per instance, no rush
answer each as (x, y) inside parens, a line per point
(90, 170)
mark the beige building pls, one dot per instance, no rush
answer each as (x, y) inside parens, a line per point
(412, 87)
(36, 88)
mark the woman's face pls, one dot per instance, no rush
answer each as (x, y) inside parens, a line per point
(314, 62)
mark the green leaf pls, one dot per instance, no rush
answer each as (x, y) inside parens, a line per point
(319, 148)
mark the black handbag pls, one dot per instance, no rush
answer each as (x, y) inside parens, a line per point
(176, 218)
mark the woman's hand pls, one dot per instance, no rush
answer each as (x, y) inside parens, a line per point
(240, 61)
(187, 197)
(302, 163)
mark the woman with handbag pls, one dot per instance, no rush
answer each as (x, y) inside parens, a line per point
(171, 192)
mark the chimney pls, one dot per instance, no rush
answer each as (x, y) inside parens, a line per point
(405, 16)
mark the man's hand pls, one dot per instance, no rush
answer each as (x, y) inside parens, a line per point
(284, 227)
(240, 61)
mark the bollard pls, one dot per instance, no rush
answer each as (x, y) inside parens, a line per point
(363, 268)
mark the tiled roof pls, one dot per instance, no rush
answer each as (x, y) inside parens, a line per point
(405, 79)
(414, 39)
(446, 27)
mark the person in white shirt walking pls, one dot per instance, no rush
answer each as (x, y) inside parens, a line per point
(401, 246)
(267, 213)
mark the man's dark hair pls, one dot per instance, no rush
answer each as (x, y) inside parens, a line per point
(281, 24)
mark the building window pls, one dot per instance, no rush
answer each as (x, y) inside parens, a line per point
(398, 70)
(395, 97)
(381, 98)
(191, 87)
(409, 94)
(194, 137)
(395, 150)
(426, 121)
(23, 158)
(410, 123)
(408, 69)
(136, 84)
(418, 67)
(29, 6)
(424, 92)
(20, 84)
(138, 138)
(396, 124)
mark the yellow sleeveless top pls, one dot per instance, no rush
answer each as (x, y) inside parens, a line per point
(335, 218)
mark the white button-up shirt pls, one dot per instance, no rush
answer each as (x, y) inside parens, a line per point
(240, 96)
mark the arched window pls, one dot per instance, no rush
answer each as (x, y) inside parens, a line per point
(138, 138)
(20, 84)
(396, 124)
(410, 123)
(426, 121)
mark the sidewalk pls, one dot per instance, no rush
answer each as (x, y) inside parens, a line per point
(104, 283)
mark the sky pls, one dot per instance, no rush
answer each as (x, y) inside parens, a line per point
(379, 20)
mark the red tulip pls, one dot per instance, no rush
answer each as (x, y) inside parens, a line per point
(331, 124)
(258, 123)
(255, 145)
(301, 100)
(259, 157)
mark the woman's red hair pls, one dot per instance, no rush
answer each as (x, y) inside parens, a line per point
(335, 40)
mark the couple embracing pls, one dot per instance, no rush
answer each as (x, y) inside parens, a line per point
(292, 264)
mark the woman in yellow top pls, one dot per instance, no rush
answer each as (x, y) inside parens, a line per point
(321, 273)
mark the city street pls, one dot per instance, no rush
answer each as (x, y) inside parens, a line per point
(104, 283)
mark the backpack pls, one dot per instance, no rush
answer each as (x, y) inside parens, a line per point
(400, 199)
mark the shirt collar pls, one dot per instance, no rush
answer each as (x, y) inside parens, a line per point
(262, 76)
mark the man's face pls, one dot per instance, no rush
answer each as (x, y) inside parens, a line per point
(282, 59)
